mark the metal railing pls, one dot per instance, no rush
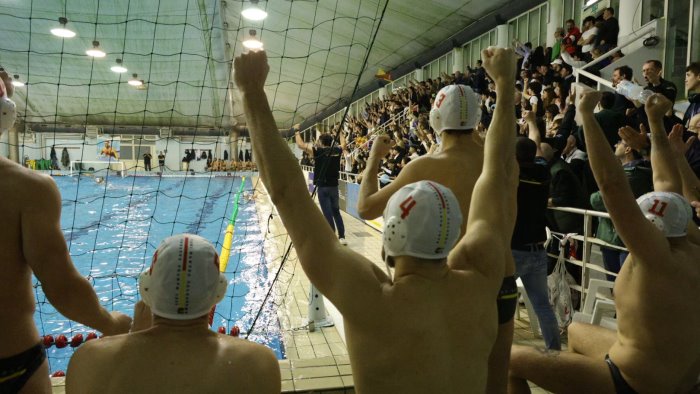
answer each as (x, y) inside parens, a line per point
(344, 176)
(588, 240)
(644, 32)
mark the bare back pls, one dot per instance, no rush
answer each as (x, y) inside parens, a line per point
(658, 318)
(412, 340)
(20, 189)
(456, 168)
(160, 361)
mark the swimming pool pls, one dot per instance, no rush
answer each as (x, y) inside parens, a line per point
(112, 229)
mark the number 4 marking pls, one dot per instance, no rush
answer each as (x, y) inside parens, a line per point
(406, 206)
(660, 211)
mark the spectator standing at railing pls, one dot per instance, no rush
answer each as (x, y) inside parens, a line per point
(639, 175)
(609, 31)
(326, 173)
(573, 34)
(655, 348)
(529, 235)
(588, 38)
(622, 104)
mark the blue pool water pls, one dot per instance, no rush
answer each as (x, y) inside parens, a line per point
(112, 229)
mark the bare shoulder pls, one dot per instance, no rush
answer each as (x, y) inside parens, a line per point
(23, 183)
(248, 350)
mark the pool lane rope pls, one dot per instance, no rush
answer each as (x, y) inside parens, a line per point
(228, 240)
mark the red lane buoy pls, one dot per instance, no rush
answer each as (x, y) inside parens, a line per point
(77, 340)
(58, 374)
(90, 336)
(61, 341)
(235, 331)
(222, 330)
(47, 340)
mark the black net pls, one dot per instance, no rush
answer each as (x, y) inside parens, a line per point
(160, 149)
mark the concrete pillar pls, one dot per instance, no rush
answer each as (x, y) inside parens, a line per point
(502, 36)
(556, 19)
(233, 145)
(629, 16)
(458, 60)
(13, 138)
(418, 75)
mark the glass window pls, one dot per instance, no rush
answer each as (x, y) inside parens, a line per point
(677, 41)
(534, 25)
(522, 29)
(449, 63)
(126, 152)
(544, 17)
(143, 149)
(467, 55)
(652, 9)
(695, 50)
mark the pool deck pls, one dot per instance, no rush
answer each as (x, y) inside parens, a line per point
(318, 361)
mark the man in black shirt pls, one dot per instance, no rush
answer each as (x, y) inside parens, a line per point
(529, 235)
(610, 30)
(652, 71)
(147, 161)
(326, 173)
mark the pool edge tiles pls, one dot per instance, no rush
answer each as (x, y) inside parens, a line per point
(316, 360)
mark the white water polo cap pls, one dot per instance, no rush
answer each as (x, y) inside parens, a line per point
(184, 281)
(669, 212)
(8, 114)
(456, 107)
(422, 219)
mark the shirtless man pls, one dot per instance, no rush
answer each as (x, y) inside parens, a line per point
(31, 241)
(430, 328)
(171, 348)
(457, 165)
(655, 349)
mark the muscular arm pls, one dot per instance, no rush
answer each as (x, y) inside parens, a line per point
(343, 276)
(46, 253)
(372, 201)
(492, 211)
(303, 145)
(534, 132)
(666, 175)
(640, 236)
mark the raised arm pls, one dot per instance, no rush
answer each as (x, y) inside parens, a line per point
(346, 278)
(306, 147)
(534, 131)
(639, 235)
(492, 211)
(46, 253)
(666, 175)
(372, 200)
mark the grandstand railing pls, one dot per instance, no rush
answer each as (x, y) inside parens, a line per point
(644, 32)
(344, 176)
(587, 241)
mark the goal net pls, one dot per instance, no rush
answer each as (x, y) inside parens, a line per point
(98, 169)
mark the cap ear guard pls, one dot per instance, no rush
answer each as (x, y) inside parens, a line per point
(220, 288)
(395, 235)
(8, 113)
(144, 285)
(656, 221)
(435, 120)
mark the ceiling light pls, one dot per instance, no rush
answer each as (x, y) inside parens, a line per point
(119, 68)
(135, 81)
(95, 51)
(254, 13)
(252, 41)
(16, 82)
(62, 31)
